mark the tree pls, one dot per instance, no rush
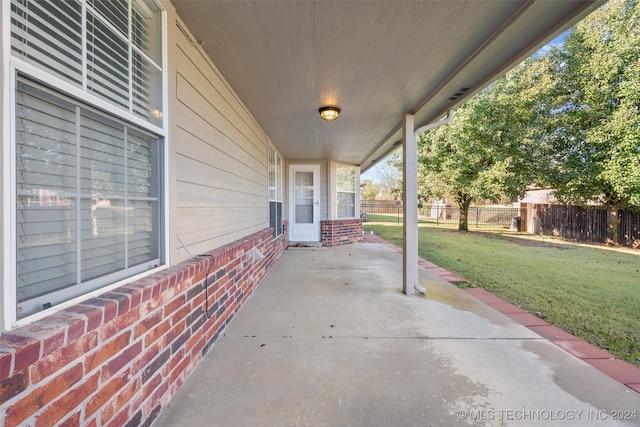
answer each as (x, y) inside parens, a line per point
(569, 119)
(490, 149)
(369, 190)
(389, 174)
(594, 111)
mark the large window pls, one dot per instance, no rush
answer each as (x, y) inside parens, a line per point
(110, 49)
(88, 161)
(275, 192)
(346, 191)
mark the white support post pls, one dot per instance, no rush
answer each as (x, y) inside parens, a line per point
(410, 206)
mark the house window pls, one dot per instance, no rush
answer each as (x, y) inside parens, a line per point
(87, 193)
(110, 49)
(275, 192)
(88, 144)
(346, 191)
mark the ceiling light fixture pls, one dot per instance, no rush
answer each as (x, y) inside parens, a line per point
(329, 113)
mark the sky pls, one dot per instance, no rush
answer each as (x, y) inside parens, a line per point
(370, 175)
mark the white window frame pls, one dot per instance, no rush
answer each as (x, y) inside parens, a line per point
(13, 66)
(341, 191)
(278, 185)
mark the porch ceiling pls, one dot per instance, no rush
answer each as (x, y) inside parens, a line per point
(373, 59)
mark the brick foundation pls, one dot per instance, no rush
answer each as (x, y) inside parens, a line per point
(116, 360)
(341, 232)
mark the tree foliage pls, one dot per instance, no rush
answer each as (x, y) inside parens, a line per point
(369, 190)
(389, 176)
(569, 119)
(489, 150)
(594, 110)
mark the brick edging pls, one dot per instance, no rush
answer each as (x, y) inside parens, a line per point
(618, 369)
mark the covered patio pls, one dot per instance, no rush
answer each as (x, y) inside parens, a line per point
(391, 70)
(208, 157)
(329, 339)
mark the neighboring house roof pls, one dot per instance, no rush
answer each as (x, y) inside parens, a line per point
(539, 196)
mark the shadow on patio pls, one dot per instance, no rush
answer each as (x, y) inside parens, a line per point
(328, 339)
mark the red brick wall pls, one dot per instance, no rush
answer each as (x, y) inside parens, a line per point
(117, 359)
(341, 232)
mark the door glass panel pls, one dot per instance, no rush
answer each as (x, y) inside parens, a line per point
(303, 197)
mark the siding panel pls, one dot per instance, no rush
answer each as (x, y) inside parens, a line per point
(206, 98)
(202, 195)
(223, 89)
(200, 243)
(204, 175)
(201, 141)
(203, 220)
(220, 159)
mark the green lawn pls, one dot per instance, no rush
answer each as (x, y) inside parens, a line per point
(591, 292)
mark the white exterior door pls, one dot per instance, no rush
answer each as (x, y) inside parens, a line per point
(304, 212)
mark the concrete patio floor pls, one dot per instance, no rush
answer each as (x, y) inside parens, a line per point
(328, 339)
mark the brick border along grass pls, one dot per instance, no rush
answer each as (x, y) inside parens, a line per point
(604, 361)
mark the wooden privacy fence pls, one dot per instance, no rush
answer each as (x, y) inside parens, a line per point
(582, 223)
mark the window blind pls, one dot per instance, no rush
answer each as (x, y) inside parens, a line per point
(48, 34)
(346, 191)
(88, 198)
(121, 53)
(275, 192)
(278, 176)
(272, 174)
(46, 193)
(107, 62)
(146, 76)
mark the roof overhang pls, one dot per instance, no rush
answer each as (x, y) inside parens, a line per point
(374, 59)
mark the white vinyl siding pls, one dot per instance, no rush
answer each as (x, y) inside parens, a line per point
(220, 158)
(346, 191)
